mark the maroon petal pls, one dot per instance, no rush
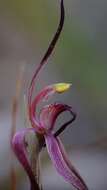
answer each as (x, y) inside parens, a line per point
(19, 148)
(62, 163)
(50, 113)
(42, 96)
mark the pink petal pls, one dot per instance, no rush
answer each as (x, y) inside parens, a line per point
(44, 94)
(49, 114)
(19, 148)
(62, 163)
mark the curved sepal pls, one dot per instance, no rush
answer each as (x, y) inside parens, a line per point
(20, 149)
(48, 52)
(44, 95)
(50, 113)
(62, 163)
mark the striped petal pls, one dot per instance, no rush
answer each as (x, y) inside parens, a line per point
(20, 150)
(49, 114)
(62, 163)
(44, 95)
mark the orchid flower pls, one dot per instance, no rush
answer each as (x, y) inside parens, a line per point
(43, 125)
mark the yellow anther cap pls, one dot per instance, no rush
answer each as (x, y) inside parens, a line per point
(61, 87)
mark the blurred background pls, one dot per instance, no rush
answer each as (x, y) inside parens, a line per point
(26, 28)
